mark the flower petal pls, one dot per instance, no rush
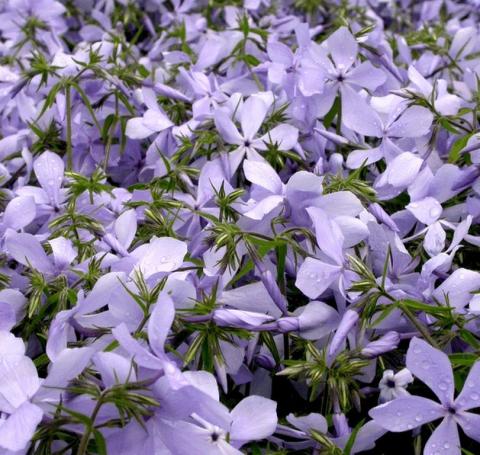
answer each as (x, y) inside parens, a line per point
(244, 428)
(227, 129)
(469, 397)
(17, 431)
(315, 276)
(445, 438)
(343, 48)
(358, 115)
(432, 367)
(406, 413)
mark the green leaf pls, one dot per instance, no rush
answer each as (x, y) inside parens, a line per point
(464, 359)
(469, 338)
(445, 123)
(457, 147)
(330, 116)
(430, 309)
(100, 442)
(351, 440)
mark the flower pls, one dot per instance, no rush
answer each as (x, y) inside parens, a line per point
(405, 413)
(394, 385)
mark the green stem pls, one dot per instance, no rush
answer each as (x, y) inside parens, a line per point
(68, 102)
(420, 327)
(82, 447)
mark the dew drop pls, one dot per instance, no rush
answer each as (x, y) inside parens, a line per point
(442, 386)
(446, 445)
(426, 364)
(435, 212)
(410, 426)
(418, 418)
(474, 396)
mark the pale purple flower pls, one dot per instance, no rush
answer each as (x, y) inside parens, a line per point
(433, 368)
(394, 385)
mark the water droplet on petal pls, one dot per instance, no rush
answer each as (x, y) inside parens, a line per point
(425, 364)
(436, 211)
(442, 386)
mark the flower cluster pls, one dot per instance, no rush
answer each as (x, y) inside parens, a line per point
(239, 226)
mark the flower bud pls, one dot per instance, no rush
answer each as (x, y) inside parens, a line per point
(288, 324)
(265, 361)
(386, 343)
(347, 322)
